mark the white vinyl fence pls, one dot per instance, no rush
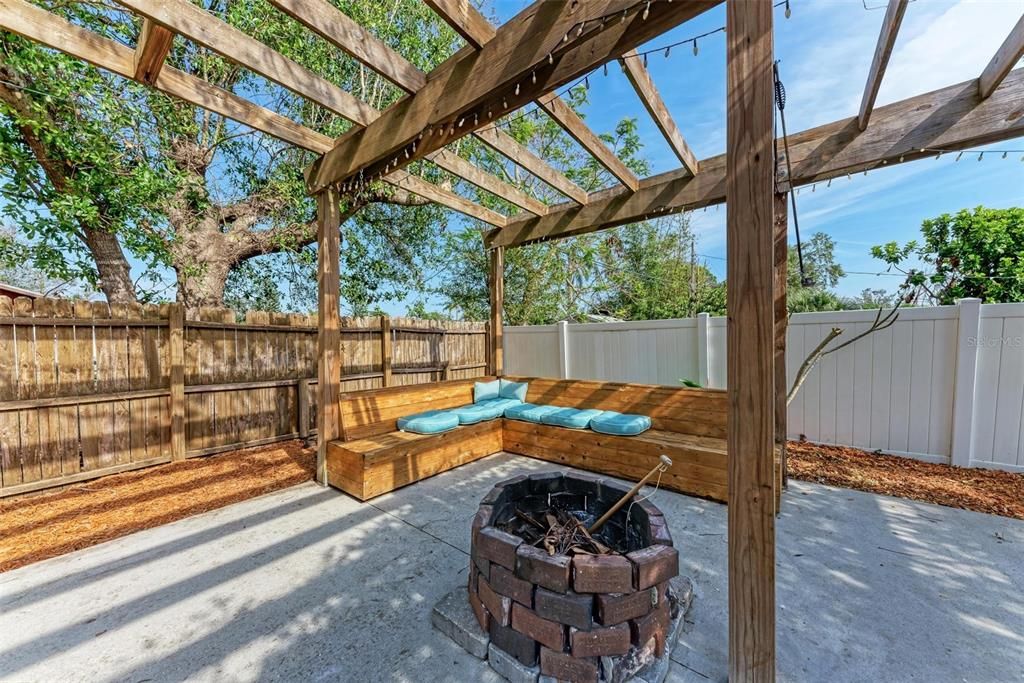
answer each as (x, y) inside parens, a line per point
(943, 384)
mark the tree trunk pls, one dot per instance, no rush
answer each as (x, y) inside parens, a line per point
(115, 274)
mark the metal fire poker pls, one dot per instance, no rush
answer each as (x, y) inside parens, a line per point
(662, 466)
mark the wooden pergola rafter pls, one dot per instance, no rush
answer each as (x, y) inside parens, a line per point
(549, 44)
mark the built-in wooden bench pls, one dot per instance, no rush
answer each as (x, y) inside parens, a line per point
(688, 425)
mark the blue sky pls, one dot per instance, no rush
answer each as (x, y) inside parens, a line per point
(825, 49)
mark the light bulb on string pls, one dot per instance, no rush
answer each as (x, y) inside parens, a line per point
(586, 82)
(517, 89)
(579, 32)
(667, 51)
(980, 156)
(789, 12)
(1004, 154)
(624, 12)
(533, 78)
(647, 10)
(958, 156)
(605, 65)
(695, 48)
(645, 60)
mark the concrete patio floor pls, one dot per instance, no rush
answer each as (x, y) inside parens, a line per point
(307, 584)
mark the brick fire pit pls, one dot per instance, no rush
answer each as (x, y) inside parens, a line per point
(581, 617)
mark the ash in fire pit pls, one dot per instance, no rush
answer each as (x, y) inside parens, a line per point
(581, 606)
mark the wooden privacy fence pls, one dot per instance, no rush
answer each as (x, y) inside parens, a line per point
(88, 389)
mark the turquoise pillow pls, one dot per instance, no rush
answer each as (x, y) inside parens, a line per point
(477, 412)
(620, 424)
(430, 422)
(483, 391)
(571, 418)
(528, 412)
(516, 390)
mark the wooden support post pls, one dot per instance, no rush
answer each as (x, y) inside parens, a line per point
(176, 338)
(385, 350)
(749, 188)
(497, 290)
(781, 325)
(328, 421)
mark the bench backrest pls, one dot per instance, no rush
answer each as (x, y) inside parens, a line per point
(375, 411)
(701, 412)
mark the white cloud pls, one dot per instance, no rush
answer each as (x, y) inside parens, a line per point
(955, 46)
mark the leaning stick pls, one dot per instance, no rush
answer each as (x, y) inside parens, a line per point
(664, 463)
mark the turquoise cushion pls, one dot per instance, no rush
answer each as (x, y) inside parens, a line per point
(483, 391)
(528, 412)
(477, 412)
(516, 390)
(572, 418)
(430, 422)
(620, 424)
(503, 402)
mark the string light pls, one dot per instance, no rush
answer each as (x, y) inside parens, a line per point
(695, 48)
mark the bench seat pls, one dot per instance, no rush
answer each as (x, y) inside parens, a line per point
(698, 462)
(688, 425)
(369, 467)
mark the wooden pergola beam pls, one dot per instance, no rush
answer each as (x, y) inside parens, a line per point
(417, 185)
(467, 21)
(154, 44)
(648, 93)
(334, 26)
(46, 28)
(504, 143)
(539, 50)
(883, 50)
(954, 117)
(202, 27)
(477, 30)
(563, 114)
(1008, 54)
(750, 434)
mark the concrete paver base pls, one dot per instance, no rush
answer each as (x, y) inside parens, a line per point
(308, 584)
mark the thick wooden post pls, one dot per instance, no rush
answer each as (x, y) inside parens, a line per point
(385, 350)
(497, 289)
(751, 387)
(328, 422)
(176, 342)
(781, 325)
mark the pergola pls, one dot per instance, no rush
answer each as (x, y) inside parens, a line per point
(501, 69)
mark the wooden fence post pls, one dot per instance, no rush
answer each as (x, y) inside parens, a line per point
(965, 380)
(385, 349)
(703, 358)
(303, 401)
(176, 337)
(563, 349)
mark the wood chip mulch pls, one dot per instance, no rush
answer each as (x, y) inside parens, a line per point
(991, 491)
(37, 527)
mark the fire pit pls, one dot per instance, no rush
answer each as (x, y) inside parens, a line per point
(582, 606)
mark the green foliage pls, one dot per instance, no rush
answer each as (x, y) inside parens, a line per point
(545, 282)
(649, 271)
(94, 151)
(821, 273)
(977, 253)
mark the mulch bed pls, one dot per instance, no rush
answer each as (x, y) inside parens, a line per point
(38, 527)
(991, 491)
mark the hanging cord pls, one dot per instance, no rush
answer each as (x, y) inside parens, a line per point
(780, 102)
